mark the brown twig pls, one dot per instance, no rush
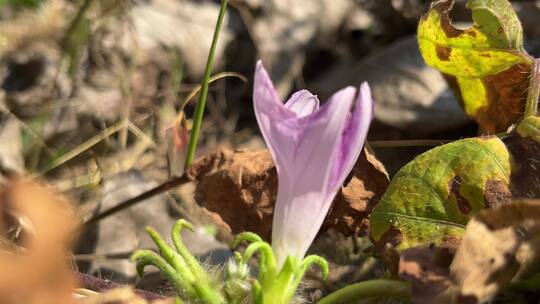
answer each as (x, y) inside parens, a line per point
(171, 183)
(101, 285)
(408, 143)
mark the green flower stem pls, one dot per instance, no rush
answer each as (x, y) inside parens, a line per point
(207, 294)
(199, 111)
(531, 107)
(281, 289)
(369, 289)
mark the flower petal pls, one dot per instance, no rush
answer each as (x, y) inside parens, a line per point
(354, 136)
(303, 103)
(268, 111)
(303, 198)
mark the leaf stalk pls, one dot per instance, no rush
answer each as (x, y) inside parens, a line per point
(369, 289)
(199, 110)
(531, 107)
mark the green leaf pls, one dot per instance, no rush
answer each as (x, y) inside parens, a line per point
(431, 199)
(530, 127)
(484, 64)
(498, 21)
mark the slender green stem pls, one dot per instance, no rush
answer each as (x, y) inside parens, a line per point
(199, 111)
(76, 22)
(369, 289)
(531, 108)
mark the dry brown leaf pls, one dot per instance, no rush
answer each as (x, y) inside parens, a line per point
(525, 180)
(37, 230)
(239, 189)
(426, 268)
(500, 246)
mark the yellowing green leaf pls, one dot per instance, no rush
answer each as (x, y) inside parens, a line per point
(530, 127)
(499, 22)
(431, 199)
(485, 64)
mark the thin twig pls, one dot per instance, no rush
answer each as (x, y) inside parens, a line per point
(171, 183)
(92, 257)
(101, 285)
(408, 143)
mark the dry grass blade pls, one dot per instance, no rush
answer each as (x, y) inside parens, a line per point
(93, 141)
(81, 148)
(218, 76)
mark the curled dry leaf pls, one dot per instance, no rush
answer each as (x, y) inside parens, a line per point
(524, 146)
(427, 269)
(239, 189)
(37, 229)
(500, 246)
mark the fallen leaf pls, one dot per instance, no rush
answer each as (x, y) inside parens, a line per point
(524, 146)
(485, 64)
(500, 246)
(239, 189)
(427, 269)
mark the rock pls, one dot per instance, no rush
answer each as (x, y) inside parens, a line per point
(407, 93)
(283, 34)
(529, 13)
(186, 25)
(11, 154)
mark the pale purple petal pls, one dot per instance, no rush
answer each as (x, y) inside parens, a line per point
(313, 150)
(268, 111)
(354, 136)
(303, 197)
(303, 103)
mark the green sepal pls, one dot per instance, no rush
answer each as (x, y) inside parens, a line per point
(145, 257)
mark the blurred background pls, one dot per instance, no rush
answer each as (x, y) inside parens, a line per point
(96, 97)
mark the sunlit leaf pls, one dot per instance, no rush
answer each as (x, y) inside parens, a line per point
(530, 127)
(485, 64)
(431, 199)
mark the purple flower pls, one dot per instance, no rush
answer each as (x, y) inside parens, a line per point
(314, 149)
